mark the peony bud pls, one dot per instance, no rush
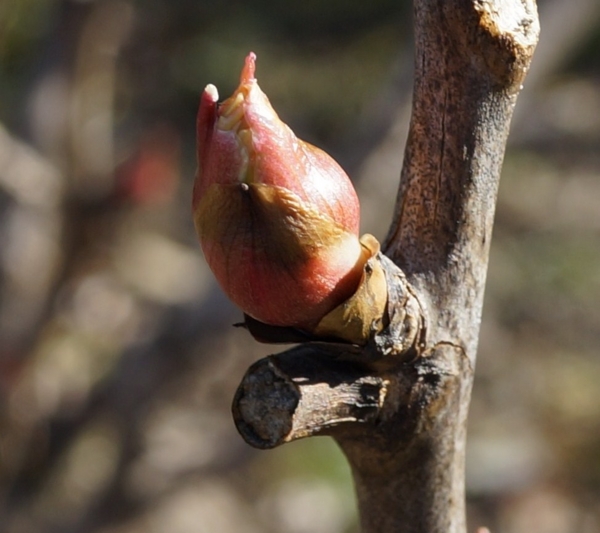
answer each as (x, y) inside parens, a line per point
(277, 217)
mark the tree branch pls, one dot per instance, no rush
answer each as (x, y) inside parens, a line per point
(471, 59)
(304, 392)
(398, 406)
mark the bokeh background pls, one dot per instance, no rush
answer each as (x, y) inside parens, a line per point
(118, 361)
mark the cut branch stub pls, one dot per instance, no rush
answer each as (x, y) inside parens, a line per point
(304, 392)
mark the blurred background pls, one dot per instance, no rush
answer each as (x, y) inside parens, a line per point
(118, 361)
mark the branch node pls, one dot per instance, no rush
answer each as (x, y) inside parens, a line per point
(504, 38)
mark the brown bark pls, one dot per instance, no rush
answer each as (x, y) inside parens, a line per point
(398, 407)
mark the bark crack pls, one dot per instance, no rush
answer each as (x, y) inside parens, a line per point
(440, 176)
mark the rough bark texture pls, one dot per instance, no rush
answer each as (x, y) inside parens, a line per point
(398, 407)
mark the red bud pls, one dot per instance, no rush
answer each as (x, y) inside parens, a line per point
(277, 217)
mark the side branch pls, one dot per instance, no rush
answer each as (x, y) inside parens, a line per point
(304, 392)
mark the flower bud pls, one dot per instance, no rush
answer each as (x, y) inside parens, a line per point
(277, 218)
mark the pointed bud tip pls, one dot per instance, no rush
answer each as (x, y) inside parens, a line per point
(249, 68)
(211, 91)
